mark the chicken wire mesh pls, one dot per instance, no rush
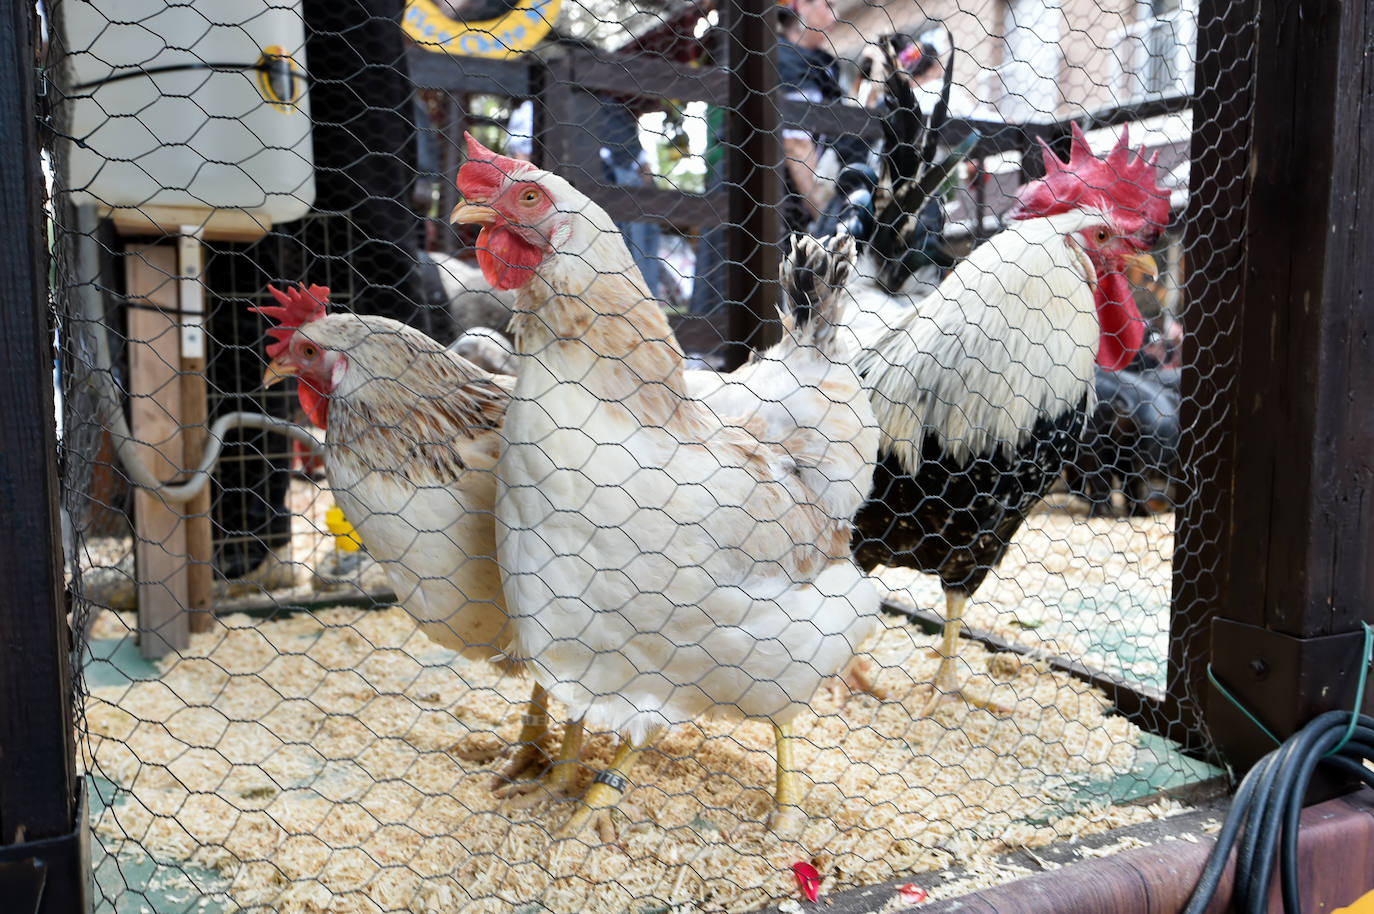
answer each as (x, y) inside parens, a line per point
(314, 726)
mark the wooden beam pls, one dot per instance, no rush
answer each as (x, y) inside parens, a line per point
(753, 180)
(194, 395)
(690, 212)
(649, 73)
(463, 75)
(38, 782)
(1214, 229)
(154, 346)
(157, 221)
(1299, 527)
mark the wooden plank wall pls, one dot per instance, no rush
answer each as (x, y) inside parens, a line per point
(1214, 229)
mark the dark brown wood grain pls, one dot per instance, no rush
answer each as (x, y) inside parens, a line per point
(1300, 498)
(1214, 231)
(753, 157)
(37, 771)
(1305, 399)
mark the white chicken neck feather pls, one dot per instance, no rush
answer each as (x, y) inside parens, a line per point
(1008, 338)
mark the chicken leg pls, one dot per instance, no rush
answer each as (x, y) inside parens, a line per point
(860, 676)
(557, 780)
(948, 684)
(787, 818)
(530, 755)
(596, 804)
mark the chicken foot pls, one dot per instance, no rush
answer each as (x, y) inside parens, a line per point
(948, 684)
(530, 756)
(596, 804)
(860, 676)
(556, 780)
(787, 817)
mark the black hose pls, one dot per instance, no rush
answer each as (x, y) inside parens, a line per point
(1265, 813)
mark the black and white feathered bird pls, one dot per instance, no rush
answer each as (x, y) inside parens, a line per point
(982, 387)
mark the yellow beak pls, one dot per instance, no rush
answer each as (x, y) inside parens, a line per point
(1145, 263)
(277, 370)
(474, 213)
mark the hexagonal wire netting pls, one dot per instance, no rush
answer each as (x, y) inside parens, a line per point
(671, 623)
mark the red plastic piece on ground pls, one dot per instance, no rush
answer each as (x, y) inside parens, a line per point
(808, 880)
(911, 893)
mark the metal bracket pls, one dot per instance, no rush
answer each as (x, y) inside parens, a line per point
(51, 876)
(1283, 680)
(191, 291)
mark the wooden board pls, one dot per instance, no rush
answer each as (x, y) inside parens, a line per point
(154, 346)
(38, 780)
(216, 224)
(200, 573)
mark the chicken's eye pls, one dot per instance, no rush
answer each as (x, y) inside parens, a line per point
(1101, 235)
(309, 351)
(530, 196)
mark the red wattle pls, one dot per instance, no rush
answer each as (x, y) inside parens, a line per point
(1123, 329)
(315, 404)
(506, 259)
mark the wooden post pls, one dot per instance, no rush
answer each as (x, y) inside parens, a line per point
(161, 554)
(200, 572)
(1214, 229)
(1301, 511)
(38, 780)
(753, 156)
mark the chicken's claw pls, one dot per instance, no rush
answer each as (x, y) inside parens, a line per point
(555, 780)
(862, 676)
(529, 762)
(595, 807)
(948, 690)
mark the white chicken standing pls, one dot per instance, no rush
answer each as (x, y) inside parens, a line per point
(662, 562)
(412, 433)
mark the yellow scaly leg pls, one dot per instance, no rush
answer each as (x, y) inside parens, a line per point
(948, 683)
(561, 778)
(947, 676)
(787, 818)
(533, 729)
(557, 780)
(596, 804)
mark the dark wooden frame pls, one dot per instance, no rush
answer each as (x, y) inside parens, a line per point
(1285, 574)
(42, 823)
(1272, 573)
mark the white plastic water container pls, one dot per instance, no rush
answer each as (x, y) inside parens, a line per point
(188, 108)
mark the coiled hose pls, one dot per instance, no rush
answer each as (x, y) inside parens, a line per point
(1264, 814)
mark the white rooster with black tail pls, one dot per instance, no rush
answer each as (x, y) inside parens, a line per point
(664, 562)
(982, 387)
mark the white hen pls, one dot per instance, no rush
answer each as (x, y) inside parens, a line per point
(664, 563)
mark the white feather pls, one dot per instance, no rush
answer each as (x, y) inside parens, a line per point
(650, 569)
(1009, 337)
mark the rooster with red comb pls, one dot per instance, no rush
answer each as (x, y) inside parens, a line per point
(982, 388)
(412, 432)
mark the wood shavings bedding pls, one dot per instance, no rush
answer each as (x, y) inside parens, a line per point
(1095, 589)
(339, 761)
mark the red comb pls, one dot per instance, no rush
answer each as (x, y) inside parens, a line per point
(1124, 183)
(298, 307)
(485, 171)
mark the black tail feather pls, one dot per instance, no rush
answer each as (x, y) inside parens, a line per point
(813, 275)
